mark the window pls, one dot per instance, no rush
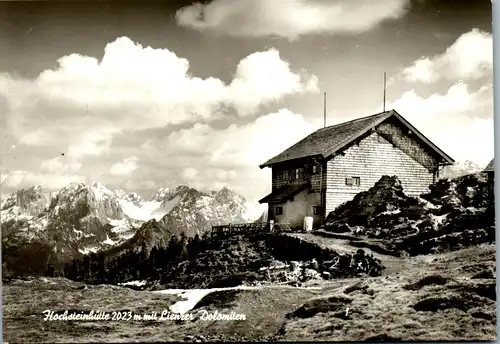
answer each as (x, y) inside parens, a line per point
(285, 175)
(317, 210)
(353, 181)
(299, 172)
(279, 210)
(315, 169)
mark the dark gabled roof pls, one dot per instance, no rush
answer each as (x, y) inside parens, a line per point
(490, 167)
(284, 193)
(323, 143)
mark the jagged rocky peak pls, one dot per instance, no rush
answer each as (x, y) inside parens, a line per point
(188, 194)
(459, 169)
(70, 193)
(128, 196)
(100, 191)
(96, 198)
(32, 200)
(105, 202)
(227, 195)
(152, 233)
(120, 193)
(181, 192)
(161, 194)
(134, 198)
(73, 187)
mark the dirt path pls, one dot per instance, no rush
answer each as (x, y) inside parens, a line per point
(393, 265)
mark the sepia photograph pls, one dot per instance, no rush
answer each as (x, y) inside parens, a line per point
(247, 171)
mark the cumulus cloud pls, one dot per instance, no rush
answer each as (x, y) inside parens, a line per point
(93, 143)
(61, 165)
(80, 106)
(135, 87)
(469, 57)
(230, 157)
(288, 18)
(245, 145)
(124, 167)
(264, 77)
(460, 121)
(83, 103)
(457, 100)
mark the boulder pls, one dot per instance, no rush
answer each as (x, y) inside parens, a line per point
(453, 214)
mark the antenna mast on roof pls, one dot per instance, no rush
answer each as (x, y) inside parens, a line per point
(324, 109)
(385, 88)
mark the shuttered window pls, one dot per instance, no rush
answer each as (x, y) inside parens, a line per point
(353, 181)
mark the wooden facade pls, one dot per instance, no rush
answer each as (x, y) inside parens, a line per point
(369, 148)
(384, 151)
(490, 172)
(307, 201)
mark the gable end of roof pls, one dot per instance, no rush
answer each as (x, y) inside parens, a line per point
(490, 167)
(327, 141)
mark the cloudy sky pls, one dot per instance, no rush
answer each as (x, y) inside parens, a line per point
(142, 95)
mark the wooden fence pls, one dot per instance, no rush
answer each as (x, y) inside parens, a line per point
(250, 227)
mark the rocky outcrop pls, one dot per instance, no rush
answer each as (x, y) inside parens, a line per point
(381, 206)
(150, 234)
(255, 258)
(454, 214)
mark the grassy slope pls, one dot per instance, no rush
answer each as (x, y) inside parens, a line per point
(380, 307)
(25, 300)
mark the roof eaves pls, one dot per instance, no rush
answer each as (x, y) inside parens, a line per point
(269, 164)
(295, 189)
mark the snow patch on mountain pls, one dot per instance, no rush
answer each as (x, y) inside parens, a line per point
(88, 250)
(81, 219)
(101, 192)
(459, 169)
(108, 241)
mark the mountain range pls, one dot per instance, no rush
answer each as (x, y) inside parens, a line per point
(40, 227)
(459, 169)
